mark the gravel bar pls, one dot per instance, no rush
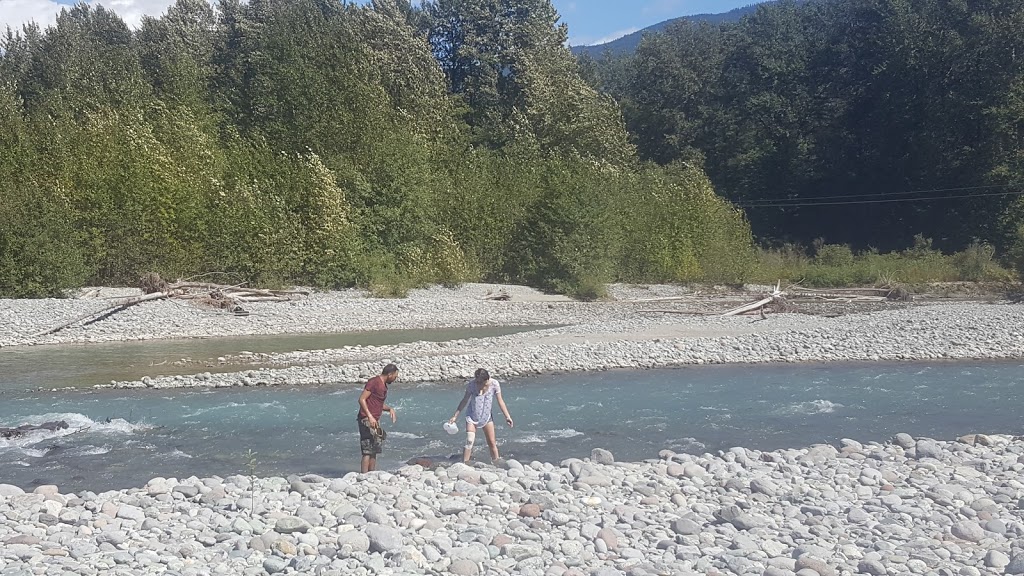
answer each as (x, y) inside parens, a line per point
(637, 329)
(907, 506)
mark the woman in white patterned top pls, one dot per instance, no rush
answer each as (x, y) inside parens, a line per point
(481, 392)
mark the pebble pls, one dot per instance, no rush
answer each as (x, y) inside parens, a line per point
(801, 519)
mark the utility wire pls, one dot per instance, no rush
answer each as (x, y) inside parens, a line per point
(879, 194)
(881, 201)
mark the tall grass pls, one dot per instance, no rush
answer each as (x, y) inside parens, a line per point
(835, 265)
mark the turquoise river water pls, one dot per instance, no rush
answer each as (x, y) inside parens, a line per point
(122, 438)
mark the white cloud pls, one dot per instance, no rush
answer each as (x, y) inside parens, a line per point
(132, 11)
(608, 38)
(15, 13)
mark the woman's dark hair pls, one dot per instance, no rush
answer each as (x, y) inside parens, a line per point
(481, 373)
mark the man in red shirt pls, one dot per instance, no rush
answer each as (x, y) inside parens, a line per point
(371, 406)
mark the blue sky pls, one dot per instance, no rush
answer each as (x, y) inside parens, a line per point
(590, 21)
(597, 21)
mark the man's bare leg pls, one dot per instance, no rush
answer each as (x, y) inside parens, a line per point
(368, 464)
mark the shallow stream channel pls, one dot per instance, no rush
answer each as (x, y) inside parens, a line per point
(123, 438)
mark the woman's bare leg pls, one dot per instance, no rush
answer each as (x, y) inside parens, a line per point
(492, 442)
(470, 438)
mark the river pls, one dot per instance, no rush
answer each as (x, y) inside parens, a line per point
(122, 438)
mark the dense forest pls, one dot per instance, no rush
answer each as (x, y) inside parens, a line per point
(389, 145)
(863, 122)
(330, 144)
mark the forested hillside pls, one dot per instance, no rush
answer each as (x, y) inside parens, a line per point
(628, 43)
(318, 142)
(329, 144)
(863, 122)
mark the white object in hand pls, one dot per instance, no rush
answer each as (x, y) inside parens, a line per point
(451, 427)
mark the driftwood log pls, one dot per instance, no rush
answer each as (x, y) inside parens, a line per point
(105, 312)
(26, 428)
(784, 300)
(775, 296)
(224, 297)
(679, 312)
(501, 296)
(854, 294)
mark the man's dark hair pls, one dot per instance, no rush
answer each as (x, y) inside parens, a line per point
(389, 369)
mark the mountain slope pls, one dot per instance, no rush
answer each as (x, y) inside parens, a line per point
(629, 42)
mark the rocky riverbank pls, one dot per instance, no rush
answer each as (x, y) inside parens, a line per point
(909, 506)
(638, 327)
(22, 322)
(938, 332)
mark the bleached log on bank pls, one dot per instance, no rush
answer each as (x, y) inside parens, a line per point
(775, 295)
(106, 312)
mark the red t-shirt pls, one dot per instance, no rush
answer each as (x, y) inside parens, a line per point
(378, 388)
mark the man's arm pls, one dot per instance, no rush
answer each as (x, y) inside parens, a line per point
(366, 409)
(391, 409)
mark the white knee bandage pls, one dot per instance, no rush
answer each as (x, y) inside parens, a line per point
(470, 439)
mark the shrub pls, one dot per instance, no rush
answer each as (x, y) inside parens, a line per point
(977, 263)
(839, 255)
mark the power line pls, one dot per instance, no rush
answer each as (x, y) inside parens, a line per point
(878, 194)
(881, 201)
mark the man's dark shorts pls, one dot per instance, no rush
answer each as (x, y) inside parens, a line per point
(371, 442)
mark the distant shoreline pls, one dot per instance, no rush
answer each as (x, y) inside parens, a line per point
(640, 327)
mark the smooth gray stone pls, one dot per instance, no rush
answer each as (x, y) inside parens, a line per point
(275, 564)
(873, 567)
(291, 525)
(602, 456)
(686, 527)
(903, 440)
(1016, 565)
(376, 514)
(356, 540)
(996, 559)
(463, 567)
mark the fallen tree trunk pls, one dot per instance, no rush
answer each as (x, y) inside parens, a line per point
(895, 293)
(681, 312)
(220, 296)
(775, 295)
(826, 298)
(256, 298)
(106, 312)
(749, 307)
(665, 299)
(501, 296)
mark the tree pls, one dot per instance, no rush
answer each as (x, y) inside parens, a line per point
(508, 61)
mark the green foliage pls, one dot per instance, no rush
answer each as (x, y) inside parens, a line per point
(301, 142)
(835, 255)
(838, 265)
(1015, 251)
(977, 263)
(677, 230)
(39, 256)
(397, 144)
(568, 234)
(811, 113)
